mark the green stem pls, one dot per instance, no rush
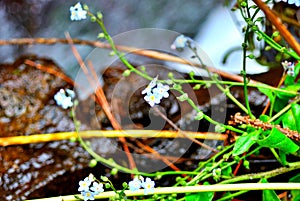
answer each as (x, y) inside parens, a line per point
(231, 83)
(220, 87)
(113, 47)
(228, 197)
(244, 71)
(275, 155)
(206, 117)
(268, 174)
(113, 164)
(282, 111)
(275, 45)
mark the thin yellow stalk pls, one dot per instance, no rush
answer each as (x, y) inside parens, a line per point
(38, 138)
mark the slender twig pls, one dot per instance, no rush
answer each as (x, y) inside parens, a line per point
(155, 153)
(47, 137)
(147, 53)
(267, 174)
(94, 82)
(50, 70)
(183, 132)
(238, 119)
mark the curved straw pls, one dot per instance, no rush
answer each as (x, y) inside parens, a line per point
(147, 53)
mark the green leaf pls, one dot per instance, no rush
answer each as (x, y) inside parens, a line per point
(291, 118)
(282, 157)
(267, 92)
(244, 142)
(280, 103)
(264, 118)
(290, 88)
(226, 171)
(276, 139)
(269, 194)
(203, 196)
(295, 193)
(295, 179)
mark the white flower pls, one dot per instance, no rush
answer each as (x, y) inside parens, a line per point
(289, 67)
(135, 184)
(152, 98)
(162, 90)
(85, 184)
(77, 13)
(97, 188)
(62, 99)
(88, 195)
(150, 86)
(148, 186)
(180, 42)
(155, 92)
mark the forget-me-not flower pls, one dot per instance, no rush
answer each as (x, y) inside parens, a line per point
(150, 86)
(77, 12)
(85, 184)
(155, 92)
(179, 43)
(97, 188)
(289, 67)
(139, 182)
(162, 90)
(135, 184)
(89, 187)
(88, 195)
(148, 186)
(64, 99)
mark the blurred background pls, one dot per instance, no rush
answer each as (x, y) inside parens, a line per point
(45, 18)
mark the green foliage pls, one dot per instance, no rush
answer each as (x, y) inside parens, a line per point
(291, 118)
(276, 139)
(269, 194)
(244, 142)
(203, 196)
(295, 193)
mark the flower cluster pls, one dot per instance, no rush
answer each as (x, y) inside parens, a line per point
(77, 12)
(64, 98)
(288, 67)
(139, 182)
(155, 92)
(181, 42)
(89, 187)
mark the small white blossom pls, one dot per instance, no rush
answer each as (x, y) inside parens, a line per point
(148, 186)
(289, 67)
(85, 184)
(97, 188)
(179, 43)
(150, 86)
(77, 13)
(63, 100)
(162, 90)
(135, 184)
(155, 92)
(88, 195)
(152, 98)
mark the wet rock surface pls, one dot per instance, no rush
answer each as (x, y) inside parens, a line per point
(27, 107)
